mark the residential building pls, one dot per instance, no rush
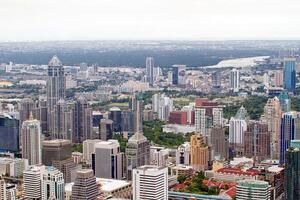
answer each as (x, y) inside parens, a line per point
(252, 189)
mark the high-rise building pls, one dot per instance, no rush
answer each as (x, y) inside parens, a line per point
(290, 130)
(106, 129)
(82, 117)
(199, 153)
(137, 108)
(292, 171)
(31, 141)
(137, 153)
(179, 74)
(52, 184)
(235, 80)
(183, 154)
(252, 189)
(219, 142)
(162, 105)
(216, 80)
(2, 189)
(89, 149)
(55, 82)
(115, 114)
(278, 79)
(159, 156)
(285, 101)
(289, 74)
(257, 141)
(272, 116)
(150, 182)
(33, 182)
(26, 107)
(43, 113)
(150, 70)
(9, 133)
(85, 186)
(107, 161)
(58, 153)
(128, 120)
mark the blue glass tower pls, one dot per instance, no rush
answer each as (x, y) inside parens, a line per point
(9, 133)
(290, 74)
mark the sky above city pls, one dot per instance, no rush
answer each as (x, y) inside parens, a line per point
(35, 20)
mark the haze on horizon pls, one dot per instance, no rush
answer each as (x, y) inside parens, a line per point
(36, 20)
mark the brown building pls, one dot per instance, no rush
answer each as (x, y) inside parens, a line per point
(59, 154)
(178, 117)
(219, 142)
(257, 141)
(199, 153)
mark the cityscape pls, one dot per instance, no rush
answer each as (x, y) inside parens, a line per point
(148, 119)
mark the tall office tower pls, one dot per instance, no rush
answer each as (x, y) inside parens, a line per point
(137, 153)
(52, 184)
(155, 102)
(89, 149)
(150, 70)
(165, 106)
(85, 186)
(150, 182)
(61, 122)
(106, 129)
(183, 154)
(235, 80)
(285, 101)
(27, 106)
(253, 189)
(278, 78)
(108, 160)
(219, 142)
(2, 189)
(290, 130)
(43, 113)
(97, 116)
(216, 80)
(199, 153)
(207, 115)
(31, 141)
(115, 114)
(33, 182)
(58, 153)
(137, 108)
(257, 141)
(170, 78)
(179, 74)
(292, 171)
(82, 120)
(9, 133)
(289, 74)
(272, 116)
(56, 82)
(237, 128)
(128, 120)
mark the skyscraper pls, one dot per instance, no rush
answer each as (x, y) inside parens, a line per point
(137, 108)
(219, 142)
(33, 182)
(290, 130)
(183, 154)
(137, 153)
(115, 114)
(106, 129)
(179, 74)
(9, 133)
(289, 74)
(52, 184)
(85, 186)
(108, 160)
(31, 141)
(285, 101)
(292, 171)
(162, 105)
(150, 70)
(252, 189)
(199, 153)
(55, 82)
(272, 116)
(235, 80)
(150, 182)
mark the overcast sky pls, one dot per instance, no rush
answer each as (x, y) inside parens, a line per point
(148, 19)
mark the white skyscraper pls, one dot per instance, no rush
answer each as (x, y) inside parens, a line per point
(150, 182)
(52, 184)
(150, 70)
(33, 182)
(31, 141)
(235, 80)
(237, 127)
(162, 105)
(200, 120)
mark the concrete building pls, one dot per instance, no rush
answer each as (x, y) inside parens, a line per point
(159, 156)
(108, 160)
(199, 153)
(183, 154)
(33, 182)
(237, 128)
(150, 182)
(150, 70)
(219, 142)
(106, 129)
(182, 170)
(178, 117)
(115, 114)
(235, 80)
(252, 189)
(179, 74)
(13, 167)
(31, 141)
(137, 153)
(52, 184)
(89, 149)
(9, 133)
(85, 186)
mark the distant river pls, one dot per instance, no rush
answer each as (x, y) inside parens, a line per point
(239, 62)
